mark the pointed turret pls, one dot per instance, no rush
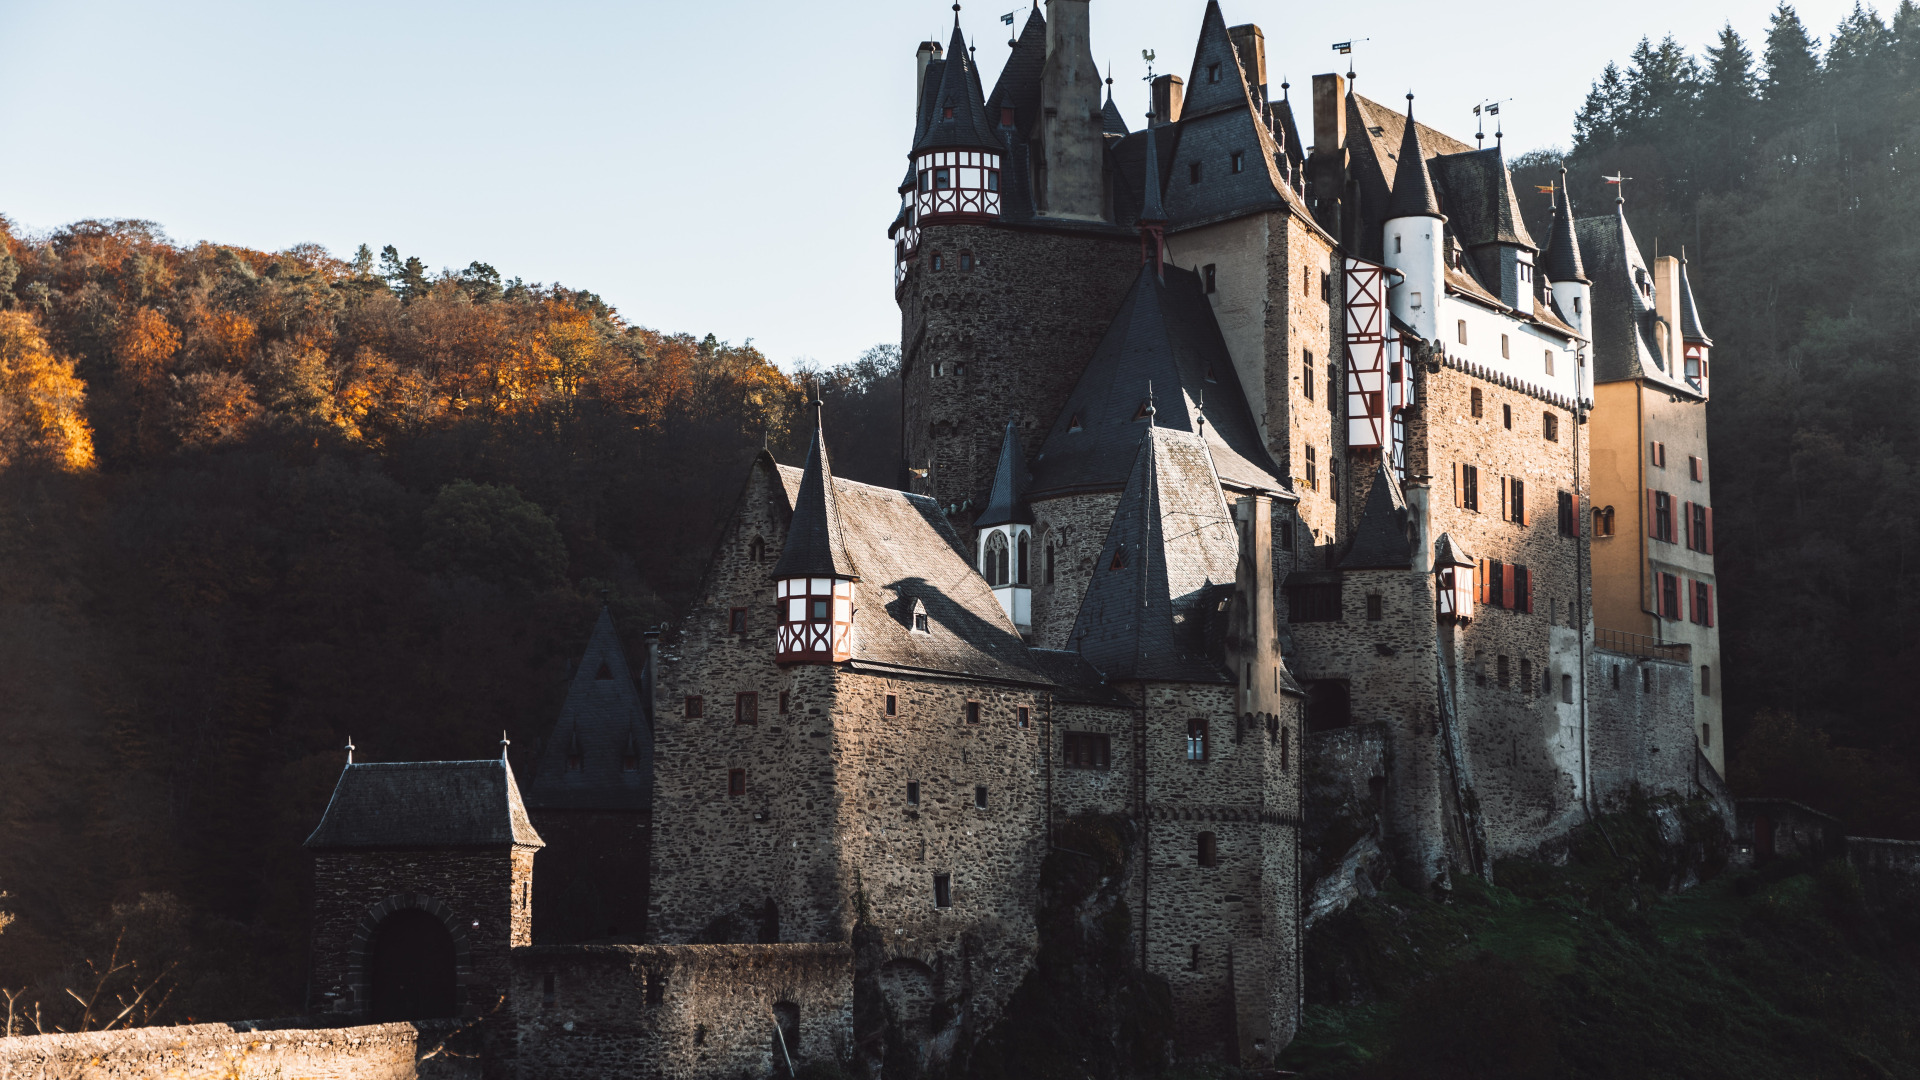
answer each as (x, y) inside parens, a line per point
(1454, 566)
(1006, 505)
(958, 119)
(1563, 261)
(582, 762)
(1006, 534)
(1412, 185)
(958, 150)
(815, 575)
(1380, 539)
(1694, 342)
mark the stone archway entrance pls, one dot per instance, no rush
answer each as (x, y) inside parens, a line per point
(410, 968)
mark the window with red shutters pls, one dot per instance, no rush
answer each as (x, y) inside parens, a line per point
(1523, 590)
(1510, 596)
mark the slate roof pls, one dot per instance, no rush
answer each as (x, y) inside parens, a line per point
(1006, 504)
(1148, 617)
(1562, 260)
(816, 543)
(1380, 537)
(1215, 47)
(907, 551)
(1112, 123)
(1076, 681)
(969, 128)
(426, 804)
(1481, 206)
(1621, 326)
(1164, 338)
(1448, 552)
(1690, 328)
(1375, 133)
(1018, 88)
(602, 724)
(1152, 210)
(1412, 186)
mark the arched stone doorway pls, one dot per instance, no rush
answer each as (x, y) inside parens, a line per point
(411, 968)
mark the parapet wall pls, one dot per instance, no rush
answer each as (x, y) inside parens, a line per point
(685, 1011)
(242, 1051)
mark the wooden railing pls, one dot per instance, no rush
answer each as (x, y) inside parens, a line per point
(1620, 641)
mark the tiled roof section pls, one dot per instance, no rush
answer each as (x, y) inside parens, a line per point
(1448, 552)
(1164, 338)
(968, 127)
(1380, 538)
(1214, 54)
(1562, 261)
(1623, 311)
(1468, 286)
(1112, 122)
(1690, 328)
(1412, 185)
(1374, 135)
(1006, 504)
(1018, 88)
(1547, 313)
(1152, 210)
(1479, 199)
(1146, 611)
(816, 538)
(1078, 682)
(426, 804)
(907, 552)
(603, 727)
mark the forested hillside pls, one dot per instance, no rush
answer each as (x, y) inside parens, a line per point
(254, 504)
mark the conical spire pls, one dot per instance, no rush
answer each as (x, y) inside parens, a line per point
(1005, 506)
(1151, 210)
(1690, 329)
(816, 543)
(1563, 250)
(1412, 187)
(958, 119)
(1380, 538)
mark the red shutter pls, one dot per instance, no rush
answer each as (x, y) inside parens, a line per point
(1686, 515)
(1707, 540)
(1709, 612)
(1653, 522)
(1693, 609)
(1506, 586)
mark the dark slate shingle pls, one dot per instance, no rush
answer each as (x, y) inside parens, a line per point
(603, 724)
(1380, 538)
(1006, 504)
(816, 537)
(426, 804)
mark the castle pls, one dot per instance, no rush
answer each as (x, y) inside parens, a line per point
(1235, 468)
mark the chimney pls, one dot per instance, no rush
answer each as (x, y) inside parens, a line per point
(1169, 94)
(1666, 300)
(929, 52)
(1327, 170)
(1251, 44)
(1072, 131)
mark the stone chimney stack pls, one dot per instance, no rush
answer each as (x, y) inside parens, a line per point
(1071, 129)
(1251, 44)
(1328, 167)
(1666, 304)
(1169, 94)
(929, 52)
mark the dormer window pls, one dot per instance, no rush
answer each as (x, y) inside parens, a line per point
(1006, 116)
(947, 113)
(1119, 558)
(1141, 412)
(1213, 73)
(1073, 424)
(921, 624)
(1193, 173)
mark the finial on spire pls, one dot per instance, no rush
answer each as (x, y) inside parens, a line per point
(504, 743)
(1150, 408)
(349, 749)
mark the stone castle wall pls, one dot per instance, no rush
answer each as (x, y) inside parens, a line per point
(427, 1050)
(1639, 726)
(1073, 530)
(688, 1012)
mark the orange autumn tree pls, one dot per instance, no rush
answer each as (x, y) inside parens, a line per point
(42, 403)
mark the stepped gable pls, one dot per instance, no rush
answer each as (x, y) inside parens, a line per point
(816, 538)
(603, 727)
(907, 551)
(957, 116)
(1562, 260)
(1623, 312)
(410, 804)
(1479, 198)
(1380, 539)
(1166, 570)
(1164, 340)
(1006, 504)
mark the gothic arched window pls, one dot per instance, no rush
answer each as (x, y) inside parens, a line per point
(995, 567)
(1020, 561)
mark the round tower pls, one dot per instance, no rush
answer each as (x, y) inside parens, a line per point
(1572, 292)
(815, 576)
(1414, 238)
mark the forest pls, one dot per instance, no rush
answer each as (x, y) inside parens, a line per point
(254, 505)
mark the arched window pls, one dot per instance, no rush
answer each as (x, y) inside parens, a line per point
(1020, 561)
(995, 561)
(756, 550)
(1209, 850)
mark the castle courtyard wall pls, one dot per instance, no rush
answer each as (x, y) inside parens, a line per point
(424, 1050)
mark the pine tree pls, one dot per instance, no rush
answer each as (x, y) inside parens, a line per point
(1793, 67)
(1728, 105)
(1596, 125)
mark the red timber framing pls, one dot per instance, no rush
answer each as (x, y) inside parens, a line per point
(1369, 339)
(957, 182)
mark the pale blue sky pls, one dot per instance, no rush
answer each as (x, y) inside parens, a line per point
(708, 167)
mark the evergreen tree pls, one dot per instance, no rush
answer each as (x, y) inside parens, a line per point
(1728, 104)
(1793, 66)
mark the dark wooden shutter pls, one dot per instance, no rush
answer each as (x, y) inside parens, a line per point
(1709, 611)
(1707, 541)
(1526, 594)
(1480, 583)
(1693, 608)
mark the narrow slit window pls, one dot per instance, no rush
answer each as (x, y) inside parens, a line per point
(893, 705)
(943, 890)
(1209, 852)
(973, 712)
(736, 782)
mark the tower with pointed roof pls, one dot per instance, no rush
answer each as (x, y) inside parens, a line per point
(1414, 241)
(814, 575)
(1005, 529)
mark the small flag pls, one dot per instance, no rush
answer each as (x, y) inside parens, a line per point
(1476, 110)
(1007, 18)
(1544, 189)
(1614, 179)
(1493, 110)
(1343, 47)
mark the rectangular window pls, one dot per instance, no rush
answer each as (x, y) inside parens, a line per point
(1506, 348)
(913, 793)
(737, 620)
(1500, 669)
(1193, 958)
(1566, 686)
(746, 708)
(980, 797)
(1318, 602)
(1495, 575)
(1506, 416)
(1209, 852)
(1517, 500)
(1239, 160)
(1550, 427)
(1208, 273)
(785, 704)
(1462, 327)
(1306, 378)
(1699, 533)
(1526, 675)
(1569, 514)
(1286, 537)
(1696, 469)
(1706, 735)
(1549, 361)
(973, 712)
(1476, 403)
(1024, 715)
(736, 782)
(1196, 740)
(1374, 607)
(1466, 487)
(1660, 515)
(1521, 599)
(1706, 680)
(943, 890)
(1700, 603)
(1669, 596)
(893, 705)
(1313, 469)
(696, 706)
(1086, 750)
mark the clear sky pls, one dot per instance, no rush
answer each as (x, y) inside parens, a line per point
(709, 167)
